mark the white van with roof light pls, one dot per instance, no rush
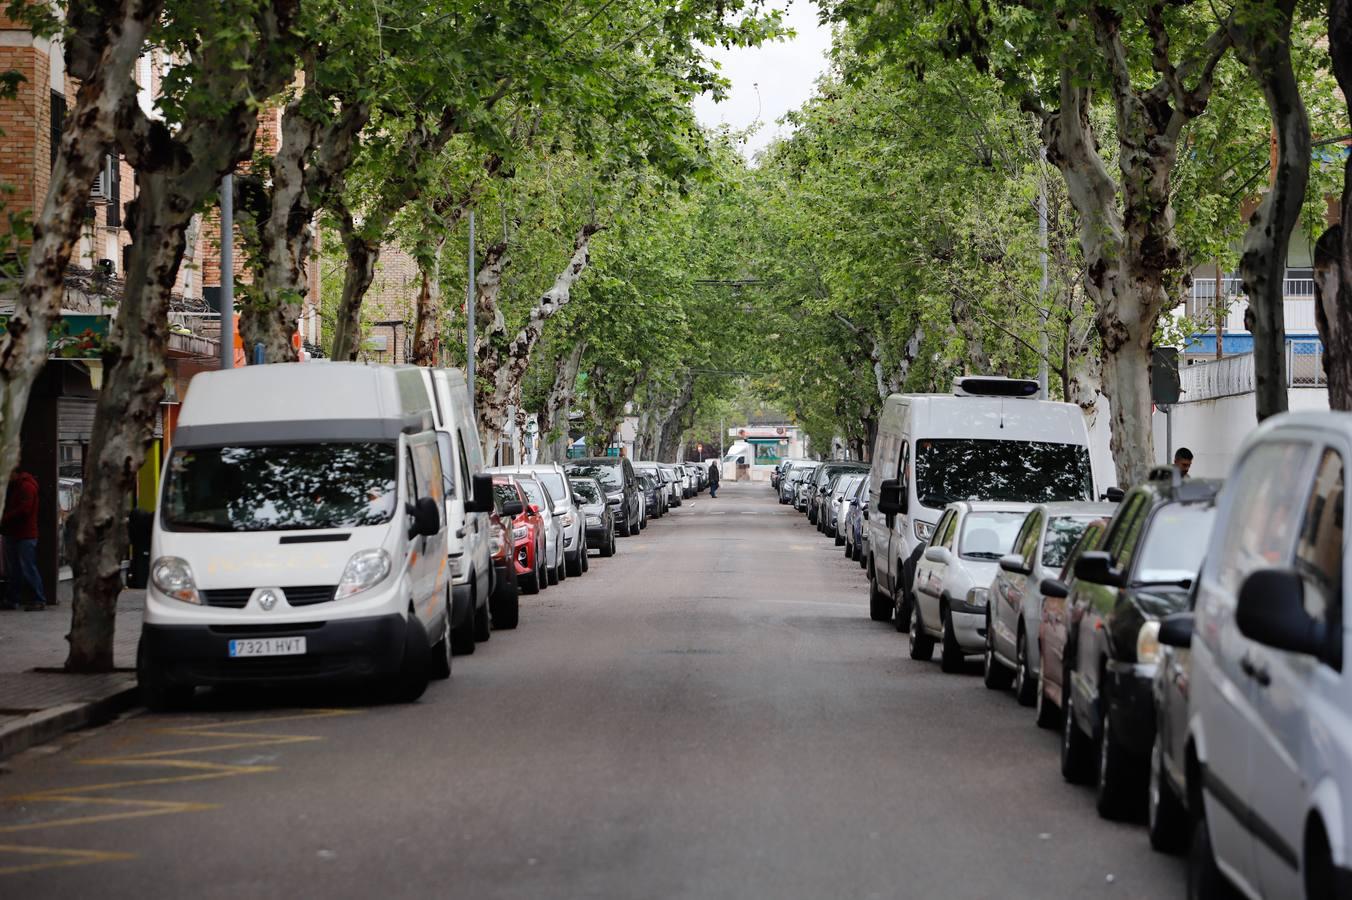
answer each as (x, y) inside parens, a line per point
(992, 439)
(301, 534)
(469, 553)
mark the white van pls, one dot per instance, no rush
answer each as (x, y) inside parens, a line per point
(301, 534)
(992, 439)
(469, 553)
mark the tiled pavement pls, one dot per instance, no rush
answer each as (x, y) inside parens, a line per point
(37, 699)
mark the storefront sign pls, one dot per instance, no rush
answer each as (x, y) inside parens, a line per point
(74, 336)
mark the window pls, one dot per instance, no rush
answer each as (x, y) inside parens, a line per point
(57, 124)
(1175, 543)
(410, 482)
(1319, 551)
(427, 463)
(1022, 471)
(464, 467)
(1125, 526)
(989, 535)
(1262, 520)
(1062, 534)
(950, 529)
(1026, 543)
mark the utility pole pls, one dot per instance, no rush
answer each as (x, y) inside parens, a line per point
(228, 272)
(469, 328)
(1042, 343)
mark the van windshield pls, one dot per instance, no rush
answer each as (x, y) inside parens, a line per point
(951, 469)
(281, 488)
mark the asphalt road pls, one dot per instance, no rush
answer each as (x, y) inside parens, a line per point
(709, 714)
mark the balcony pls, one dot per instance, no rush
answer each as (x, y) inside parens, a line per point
(1299, 293)
(1234, 375)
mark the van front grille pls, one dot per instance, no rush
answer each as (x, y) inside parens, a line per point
(231, 598)
(238, 598)
(305, 596)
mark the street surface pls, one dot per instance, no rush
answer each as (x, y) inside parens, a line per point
(709, 714)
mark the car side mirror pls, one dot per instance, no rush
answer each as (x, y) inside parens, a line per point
(1014, 563)
(534, 508)
(1271, 611)
(1096, 567)
(1176, 630)
(513, 508)
(1054, 588)
(614, 501)
(481, 494)
(937, 554)
(1114, 495)
(426, 518)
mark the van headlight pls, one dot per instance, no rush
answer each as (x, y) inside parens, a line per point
(1148, 643)
(364, 571)
(173, 578)
(923, 530)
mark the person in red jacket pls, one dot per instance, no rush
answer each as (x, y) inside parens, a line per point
(19, 527)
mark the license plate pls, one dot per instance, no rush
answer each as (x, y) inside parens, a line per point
(283, 646)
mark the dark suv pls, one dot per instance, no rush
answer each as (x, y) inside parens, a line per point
(824, 474)
(1141, 573)
(616, 475)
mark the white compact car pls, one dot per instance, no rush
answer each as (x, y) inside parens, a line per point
(1266, 763)
(954, 575)
(566, 509)
(300, 541)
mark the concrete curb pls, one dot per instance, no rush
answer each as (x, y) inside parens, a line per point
(40, 727)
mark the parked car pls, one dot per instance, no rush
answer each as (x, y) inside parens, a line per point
(954, 575)
(552, 476)
(802, 492)
(1150, 557)
(652, 493)
(1265, 763)
(992, 440)
(597, 514)
(616, 473)
(1166, 795)
(1054, 628)
(817, 496)
(1048, 535)
(789, 482)
(504, 603)
(840, 498)
(528, 536)
(673, 479)
(856, 522)
(542, 504)
(328, 577)
(659, 504)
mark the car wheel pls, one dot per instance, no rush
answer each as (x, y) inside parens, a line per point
(1025, 683)
(921, 644)
(563, 566)
(1166, 817)
(505, 607)
(529, 584)
(482, 629)
(1116, 772)
(585, 555)
(439, 663)
(840, 539)
(901, 613)
(158, 693)
(1075, 748)
(1206, 881)
(1046, 709)
(608, 548)
(863, 558)
(879, 607)
(409, 683)
(552, 575)
(849, 553)
(951, 656)
(462, 635)
(997, 677)
(574, 565)
(1321, 876)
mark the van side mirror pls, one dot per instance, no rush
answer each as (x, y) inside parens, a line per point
(1096, 567)
(890, 502)
(1014, 564)
(1271, 611)
(481, 494)
(1114, 495)
(1176, 630)
(937, 554)
(1054, 588)
(513, 508)
(426, 518)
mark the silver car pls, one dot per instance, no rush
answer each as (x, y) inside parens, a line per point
(840, 504)
(954, 574)
(566, 508)
(539, 497)
(1039, 551)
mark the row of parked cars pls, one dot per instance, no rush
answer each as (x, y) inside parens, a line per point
(1187, 638)
(358, 536)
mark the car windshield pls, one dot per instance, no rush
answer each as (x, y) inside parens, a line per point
(607, 475)
(281, 488)
(536, 494)
(553, 483)
(989, 535)
(951, 469)
(1174, 545)
(1062, 533)
(586, 491)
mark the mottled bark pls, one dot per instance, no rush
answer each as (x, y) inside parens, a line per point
(1333, 251)
(425, 329)
(554, 418)
(490, 405)
(175, 172)
(1265, 47)
(677, 421)
(101, 52)
(362, 255)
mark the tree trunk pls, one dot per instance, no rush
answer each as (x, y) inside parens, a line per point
(1266, 50)
(490, 404)
(673, 428)
(554, 418)
(101, 53)
(362, 255)
(425, 330)
(1333, 251)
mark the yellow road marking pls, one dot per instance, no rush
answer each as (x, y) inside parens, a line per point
(130, 808)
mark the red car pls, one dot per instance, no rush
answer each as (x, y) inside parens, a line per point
(503, 599)
(527, 536)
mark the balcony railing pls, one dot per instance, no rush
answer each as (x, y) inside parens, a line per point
(1234, 375)
(1299, 305)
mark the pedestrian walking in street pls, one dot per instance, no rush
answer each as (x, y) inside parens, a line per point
(713, 479)
(19, 528)
(1183, 460)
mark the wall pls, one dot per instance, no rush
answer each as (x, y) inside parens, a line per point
(1214, 429)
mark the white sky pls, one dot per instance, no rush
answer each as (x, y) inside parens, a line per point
(770, 80)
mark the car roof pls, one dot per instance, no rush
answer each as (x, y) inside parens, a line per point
(1078, 508)
(966, 506)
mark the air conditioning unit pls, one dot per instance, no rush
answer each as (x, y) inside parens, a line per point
(994, 386)
(103, 184)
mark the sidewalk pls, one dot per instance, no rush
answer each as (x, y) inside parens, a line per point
(38, 701)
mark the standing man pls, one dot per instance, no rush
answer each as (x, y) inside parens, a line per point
(1183, 460)
(19, 527)
(713, 479)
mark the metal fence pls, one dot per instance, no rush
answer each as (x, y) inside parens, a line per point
(1235, 374)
